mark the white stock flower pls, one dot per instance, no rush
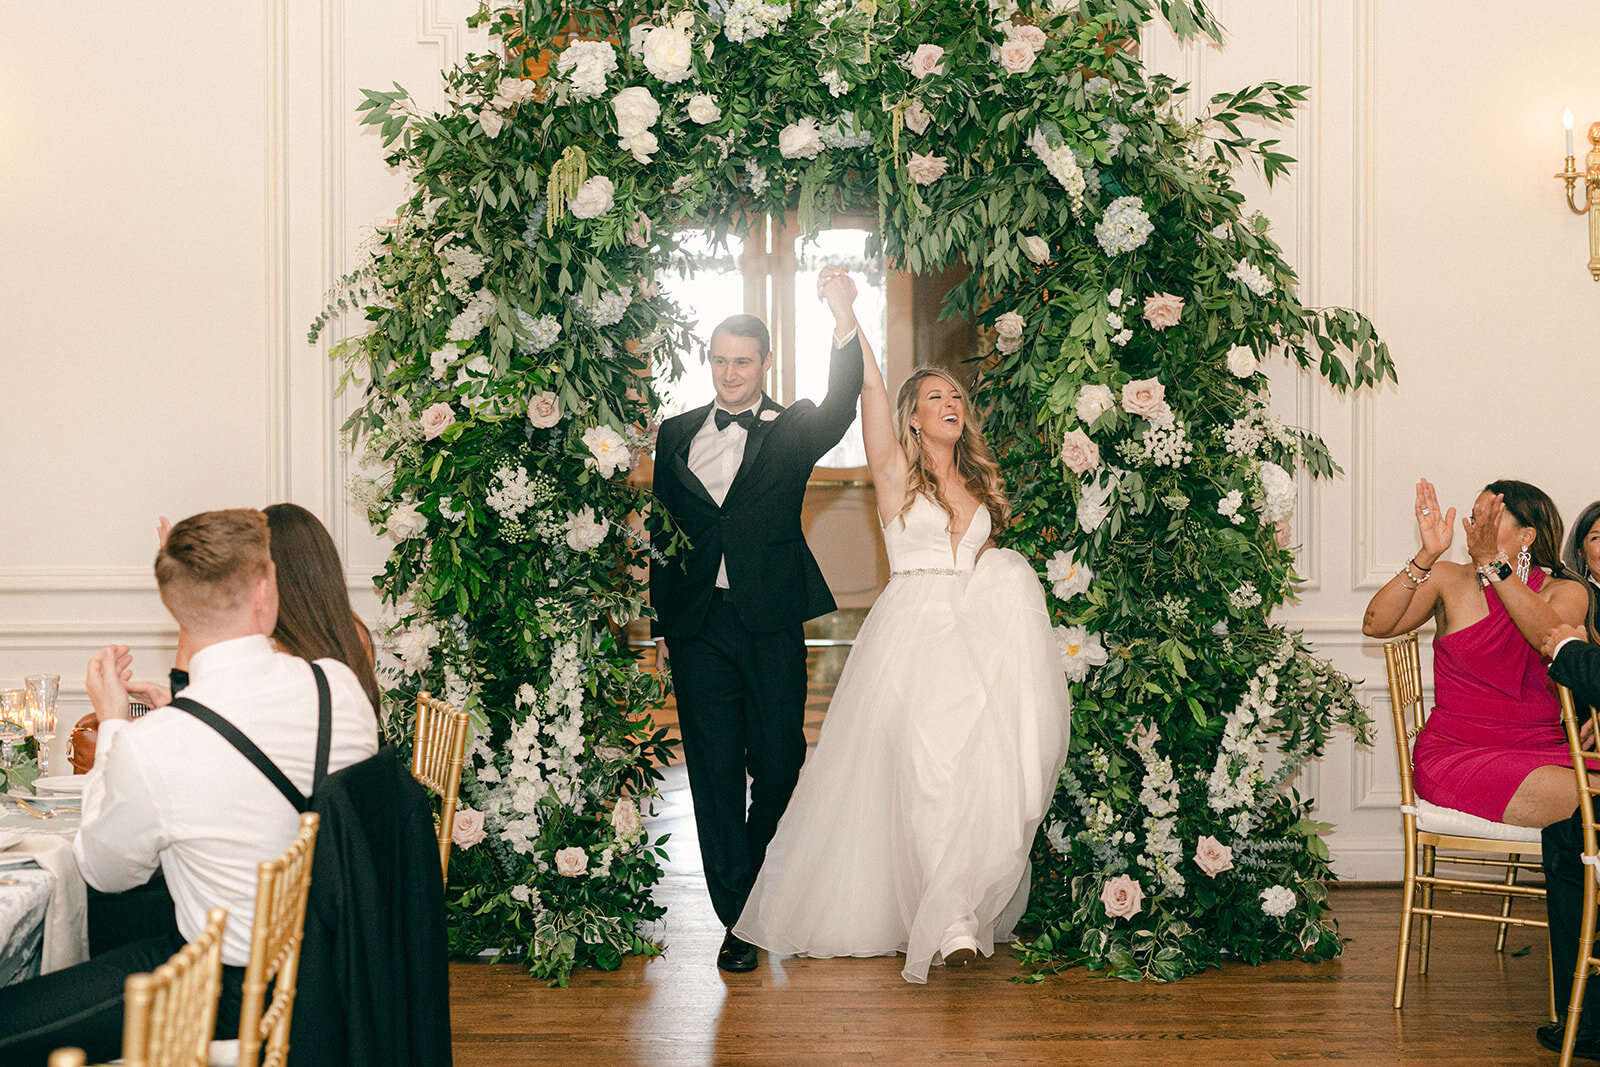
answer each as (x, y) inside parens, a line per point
(584, 531)
(800, 140)
(608, 450)
(542, 332)
(440, 361)
(1067, 576)
(1094, 401)
(1250, 276)
(747, 20)
(1241, 361)
(593, 199)
(703, 109)
(1080, 650)
(668, 53)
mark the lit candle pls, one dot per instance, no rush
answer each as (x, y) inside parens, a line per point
(1566, 120)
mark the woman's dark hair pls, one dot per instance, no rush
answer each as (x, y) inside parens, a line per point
(315, 619)
(1580, 569)
(1532, 509)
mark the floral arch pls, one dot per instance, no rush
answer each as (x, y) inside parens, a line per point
(513, 322)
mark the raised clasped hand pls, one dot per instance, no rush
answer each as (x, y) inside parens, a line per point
(837, 289)
(1483, 530)
(1436, 527)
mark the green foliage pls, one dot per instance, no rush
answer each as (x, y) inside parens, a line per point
(500, 601)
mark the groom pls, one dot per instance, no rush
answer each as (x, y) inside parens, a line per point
(730, 608)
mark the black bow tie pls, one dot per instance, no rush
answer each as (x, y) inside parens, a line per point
(745, 418)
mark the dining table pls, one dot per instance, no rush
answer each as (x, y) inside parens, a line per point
(44, 907)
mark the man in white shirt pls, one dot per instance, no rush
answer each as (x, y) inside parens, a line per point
(169, 793)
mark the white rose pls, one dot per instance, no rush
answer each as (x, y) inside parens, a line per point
(572, 861)
(436, 419)
(643, 145)
(800, 140)
(584, 531)
(917, 117)
(544, 410)
(1036, 249)
(703, 108)
(1009, 325)
(593, 199)
(1094, 401)
(405, 522)
(925, 170)
(625, 819)
(491, 121)
(1241, 362)
(668, 53)
(636, 110)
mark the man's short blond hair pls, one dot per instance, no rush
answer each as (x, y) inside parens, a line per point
(210, 564)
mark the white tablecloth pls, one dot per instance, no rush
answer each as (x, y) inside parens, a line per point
(24, 900)
(49, 842)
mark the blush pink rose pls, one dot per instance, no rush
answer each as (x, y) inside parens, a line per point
(1016, 56)
(1143, 397)
(436, 419)
(1212, 856)
(1032, 36)
(1123, 897)
(571, 862)
(1163, 310)
(917, 117)
(639, 230)
(544, 410)
(926, 60)
(1282, 532)
(467, 829)
(1079, 454)
(925, 170)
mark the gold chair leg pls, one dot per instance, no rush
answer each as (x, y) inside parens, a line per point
(1505, 905)
(1580, 975)
(1406, 904)
(1429, 854)
(1550, 980)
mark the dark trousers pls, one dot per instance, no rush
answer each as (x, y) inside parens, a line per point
(741, 708)
(129, 933)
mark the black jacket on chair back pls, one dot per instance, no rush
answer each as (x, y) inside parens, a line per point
(774, 579)
(374, 985)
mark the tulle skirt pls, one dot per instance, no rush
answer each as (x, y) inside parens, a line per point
(914, 817)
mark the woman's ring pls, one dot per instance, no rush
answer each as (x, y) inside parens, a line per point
(1427, 511)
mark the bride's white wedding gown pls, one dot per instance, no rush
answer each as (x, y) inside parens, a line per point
(913, 819)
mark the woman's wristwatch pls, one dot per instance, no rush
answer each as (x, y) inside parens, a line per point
(1495, 570)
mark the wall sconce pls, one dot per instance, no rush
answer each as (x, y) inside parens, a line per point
(1591, 188)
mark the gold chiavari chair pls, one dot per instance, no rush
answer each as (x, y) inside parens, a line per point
(67, 1057)
(1588, 963)
(169, 1013)
(441, 742)
(1465, 839)
(282, 887)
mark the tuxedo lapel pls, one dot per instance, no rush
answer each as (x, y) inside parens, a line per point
(766, 419)
(679, 459)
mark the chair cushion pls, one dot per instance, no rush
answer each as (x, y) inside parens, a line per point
(1437, 820)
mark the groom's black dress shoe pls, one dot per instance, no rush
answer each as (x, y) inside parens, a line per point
(738, 955)
(1587, 1047)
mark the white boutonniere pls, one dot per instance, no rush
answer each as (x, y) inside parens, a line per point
(768, 415)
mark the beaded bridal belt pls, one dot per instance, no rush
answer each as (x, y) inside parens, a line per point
(925, 570)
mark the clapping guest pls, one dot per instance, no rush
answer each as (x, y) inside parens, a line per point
(1493, 746)
(1583, 562)
(169, 791)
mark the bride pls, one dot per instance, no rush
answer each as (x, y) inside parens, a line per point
(910, 829)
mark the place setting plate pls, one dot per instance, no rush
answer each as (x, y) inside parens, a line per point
(60, 785)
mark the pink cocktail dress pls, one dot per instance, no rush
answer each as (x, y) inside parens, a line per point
(1496, 719)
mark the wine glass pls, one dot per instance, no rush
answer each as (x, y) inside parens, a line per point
(43, 689)
(13, 728)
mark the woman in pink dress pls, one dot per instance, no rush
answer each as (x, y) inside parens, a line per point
(1493, 746)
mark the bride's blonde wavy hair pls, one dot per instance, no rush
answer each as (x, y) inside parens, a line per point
(974, 462)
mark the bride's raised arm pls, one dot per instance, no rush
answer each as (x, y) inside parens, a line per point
(885, 458)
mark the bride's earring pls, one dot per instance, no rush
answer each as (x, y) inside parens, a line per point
(1524, 563)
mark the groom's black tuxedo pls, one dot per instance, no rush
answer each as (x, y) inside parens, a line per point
(738, 654)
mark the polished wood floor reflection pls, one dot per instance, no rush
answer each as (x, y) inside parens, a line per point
(1474, 1008)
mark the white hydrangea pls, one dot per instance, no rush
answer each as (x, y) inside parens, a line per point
(1062, 164)
(1067, 576)
(608, 312)
(843, 132)
(470, 320)
(1080, 650)
(747, 20)
(585, 65)
(1229, 506)
(1277, 901)
(1094, 401)
(1277, 492)
(1124, 226)
(512, 494)
(542, 332)
(1251, 277)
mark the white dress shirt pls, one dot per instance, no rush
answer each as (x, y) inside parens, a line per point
(714, 457)
(167, 790)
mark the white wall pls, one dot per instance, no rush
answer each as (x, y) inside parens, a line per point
(182, 185)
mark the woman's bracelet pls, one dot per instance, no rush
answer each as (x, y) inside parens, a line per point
(1412, 562)
(1405, 576)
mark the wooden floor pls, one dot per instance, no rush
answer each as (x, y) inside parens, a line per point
(1475, 1007)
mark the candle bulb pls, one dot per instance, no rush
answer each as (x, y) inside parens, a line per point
(1566, 120)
